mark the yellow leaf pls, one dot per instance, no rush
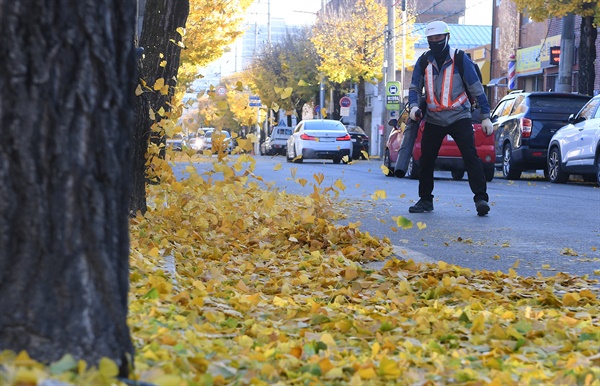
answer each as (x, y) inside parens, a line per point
(379, 194)
(108, 368)
(319, 177)
(180, 31)
(159, 84)
(277, 166)
(389, 369)
(138, 90)
(301, 83)
(385, 169)
(340, 185)
(153, 252)
(571, 299)
(421, 226)
(163, 63)
(279, 302)
(367, 373)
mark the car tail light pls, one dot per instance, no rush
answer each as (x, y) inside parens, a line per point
(526, 126)
(344, 138)
(308, 137)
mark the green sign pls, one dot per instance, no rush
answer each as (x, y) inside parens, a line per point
(392, 95)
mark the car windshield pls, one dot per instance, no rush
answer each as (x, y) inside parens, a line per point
(284, 131)
(355, 130)
(323, 125)
(556, 105)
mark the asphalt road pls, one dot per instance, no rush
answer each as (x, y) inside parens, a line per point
(534, 226)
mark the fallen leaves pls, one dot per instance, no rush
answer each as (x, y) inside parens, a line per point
(269, 289)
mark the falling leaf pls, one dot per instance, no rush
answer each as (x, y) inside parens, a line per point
(340, 185)
(403, 222)
(379, 195)
(421, 226)
(277, 166)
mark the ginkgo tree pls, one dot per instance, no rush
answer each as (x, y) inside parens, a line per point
(350, 43)
(285, 74)
(589, 11)
(190, 32)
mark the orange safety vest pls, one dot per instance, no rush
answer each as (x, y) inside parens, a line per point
(433, 104)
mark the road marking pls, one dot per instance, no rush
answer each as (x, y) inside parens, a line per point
(402, 253)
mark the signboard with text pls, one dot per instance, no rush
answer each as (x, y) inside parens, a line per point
(392, 95)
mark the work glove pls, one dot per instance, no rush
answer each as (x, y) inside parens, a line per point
(415, 113)
(486, 126)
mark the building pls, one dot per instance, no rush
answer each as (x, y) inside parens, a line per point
(516, 38)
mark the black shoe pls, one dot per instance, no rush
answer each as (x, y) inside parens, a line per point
(421, 206)
(399, 173)
(482, 207)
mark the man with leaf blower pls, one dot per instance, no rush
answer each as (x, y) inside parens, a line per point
(450, 79)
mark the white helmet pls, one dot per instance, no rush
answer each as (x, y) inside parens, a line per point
(436, 28)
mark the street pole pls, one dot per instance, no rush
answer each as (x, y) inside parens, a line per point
(403, 86)
(565, 64)
(322, 81)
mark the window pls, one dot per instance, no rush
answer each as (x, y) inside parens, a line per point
(588, 111)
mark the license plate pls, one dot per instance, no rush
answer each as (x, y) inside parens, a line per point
(324, 139)
(353, 139)
(449, 138)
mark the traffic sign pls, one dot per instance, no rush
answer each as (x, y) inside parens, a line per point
(392, 95)
(345, 102)
(221, 90)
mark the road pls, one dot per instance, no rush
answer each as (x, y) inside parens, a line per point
(534, 227)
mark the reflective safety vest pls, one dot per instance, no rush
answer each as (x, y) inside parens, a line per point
(446, 102)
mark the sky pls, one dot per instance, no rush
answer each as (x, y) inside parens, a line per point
(478, 12)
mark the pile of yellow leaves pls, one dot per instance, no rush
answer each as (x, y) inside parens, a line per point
(236, 283)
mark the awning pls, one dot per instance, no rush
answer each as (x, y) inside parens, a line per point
(496, 82)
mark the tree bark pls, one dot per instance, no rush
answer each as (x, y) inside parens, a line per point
(360, 103)
(587, 56)
(66, 113)
(159, 37)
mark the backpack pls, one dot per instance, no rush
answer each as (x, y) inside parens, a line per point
(459, 57)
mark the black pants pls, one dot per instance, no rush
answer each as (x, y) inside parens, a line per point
(462, 132)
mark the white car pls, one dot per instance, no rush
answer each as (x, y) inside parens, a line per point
(319, 139)
(204, 140)
(575, 148)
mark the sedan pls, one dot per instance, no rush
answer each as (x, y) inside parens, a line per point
(360, 142)
(575, 148)
(319, 139)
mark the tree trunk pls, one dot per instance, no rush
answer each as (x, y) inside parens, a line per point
(66, 113)
(159, 37)
(360, 103)
(587, 56)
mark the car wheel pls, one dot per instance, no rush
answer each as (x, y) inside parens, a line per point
(412, 171)
(555, 174)
(295, 157)
(457, 174)
(388, 163)
(509, 172)
(336, 160)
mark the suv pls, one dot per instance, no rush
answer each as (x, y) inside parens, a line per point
(277, 142)
(524, 122)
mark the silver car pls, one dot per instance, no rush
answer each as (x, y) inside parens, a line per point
(319, 139)
(575, 148)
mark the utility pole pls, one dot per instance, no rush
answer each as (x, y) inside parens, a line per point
(565, 64)
(322, 81)
(389, 70)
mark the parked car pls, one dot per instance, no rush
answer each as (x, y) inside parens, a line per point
(209, 138)
(321, 139)
(524, 122)
(176, 142)
(276, 143)
(360, 141)
(575, 148)
(449, 157)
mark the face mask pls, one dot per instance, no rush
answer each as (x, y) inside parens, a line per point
(438, 47)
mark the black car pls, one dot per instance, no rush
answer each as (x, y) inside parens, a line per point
(524, 122)
(360, 141)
